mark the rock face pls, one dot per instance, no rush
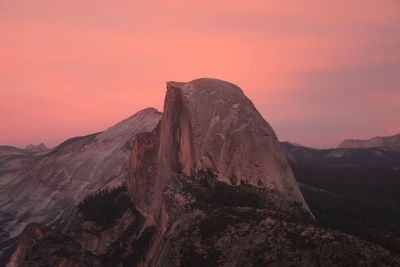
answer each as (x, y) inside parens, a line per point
(101, 219)
(209, 186)
(45, 187)
(386, 141)
(208, 124)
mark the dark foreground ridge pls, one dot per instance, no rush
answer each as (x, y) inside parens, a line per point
(211, 224)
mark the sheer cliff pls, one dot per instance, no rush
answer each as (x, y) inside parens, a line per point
(209, 124)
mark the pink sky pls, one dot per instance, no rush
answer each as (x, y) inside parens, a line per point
(318, 71)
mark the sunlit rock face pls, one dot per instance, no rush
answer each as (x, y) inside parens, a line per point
(385, 141)
(45, 187)
(208, 124)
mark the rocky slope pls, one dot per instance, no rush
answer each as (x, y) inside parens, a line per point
(38, 242)
(210, 223)
(45, 187)
(385, 141)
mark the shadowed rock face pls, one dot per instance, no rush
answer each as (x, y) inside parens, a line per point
(45, 187)
(209, 124)
(385, 141)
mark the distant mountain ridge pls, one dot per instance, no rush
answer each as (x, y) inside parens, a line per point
(379, 141)
(378, 157)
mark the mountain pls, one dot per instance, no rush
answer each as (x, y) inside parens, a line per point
(386, 141)
(208, 124)
(36, 148)
(45, 187)
(352, 190)
(209, 186)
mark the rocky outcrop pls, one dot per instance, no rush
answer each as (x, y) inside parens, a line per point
(40, 246)
(101, 219)
(208, 124)
(45, 187)
(385, 141)
(215, 224)
(210, 223)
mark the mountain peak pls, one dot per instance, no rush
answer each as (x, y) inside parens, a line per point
(209, 124)
(143, 120)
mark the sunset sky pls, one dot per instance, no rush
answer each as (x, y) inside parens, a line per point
(319, 71)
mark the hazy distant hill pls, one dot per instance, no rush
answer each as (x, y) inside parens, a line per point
(380, 141)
